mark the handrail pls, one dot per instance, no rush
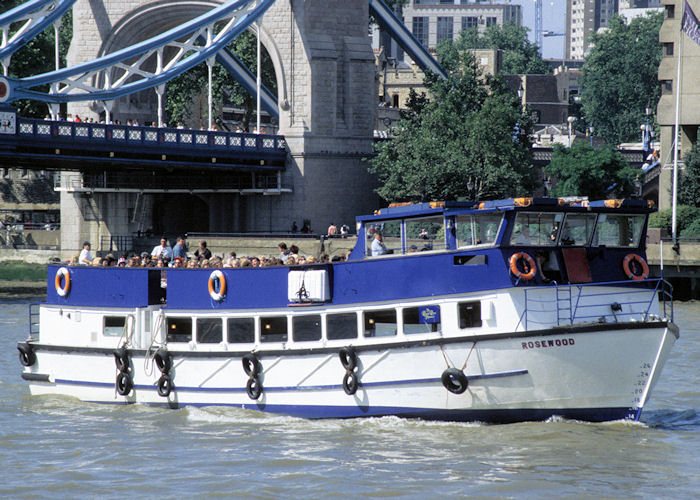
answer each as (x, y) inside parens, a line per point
(582, 310)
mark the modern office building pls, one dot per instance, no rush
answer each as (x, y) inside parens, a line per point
(585, 17)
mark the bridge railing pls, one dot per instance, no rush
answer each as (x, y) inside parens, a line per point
(81, 133)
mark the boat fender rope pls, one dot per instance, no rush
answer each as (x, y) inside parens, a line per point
(454, 380)
(632, 264)
(348, 358)
(26, 354)
(165, 385)
(121, 358)
(63, 290)
(217, 278)
(252, 368)
(525, 261)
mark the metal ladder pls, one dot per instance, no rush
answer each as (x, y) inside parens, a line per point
(564, 307)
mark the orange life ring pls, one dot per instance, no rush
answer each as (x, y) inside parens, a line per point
(630, 271)
(64, 290)
(528, 263)
(213, 278)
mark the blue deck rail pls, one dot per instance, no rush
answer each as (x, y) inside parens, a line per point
(581, 303)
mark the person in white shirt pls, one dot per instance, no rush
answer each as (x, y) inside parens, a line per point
(162, 251)
(85, 258)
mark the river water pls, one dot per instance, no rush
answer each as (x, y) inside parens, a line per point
(55, 447)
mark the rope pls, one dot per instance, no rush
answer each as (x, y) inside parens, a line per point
(150, 352)
(469, 354)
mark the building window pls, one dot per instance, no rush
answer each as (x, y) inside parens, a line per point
(668, 49)
(667, 87)
(420, 29)
(306, 328)
(241, 330)
(469, 22)
(490, 21)
(5, 172)
(670, 11)
(209, 330)
(445, 28)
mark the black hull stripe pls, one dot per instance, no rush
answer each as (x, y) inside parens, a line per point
(549, 332)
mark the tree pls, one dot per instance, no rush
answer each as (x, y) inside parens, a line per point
(520, 55)
(584, 171)
(620, 77)
(469, 140)
(37, 57)
(181, 91)
(689, 182)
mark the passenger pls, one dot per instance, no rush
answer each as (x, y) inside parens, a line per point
(255, 262)
(245, 262)
(177, 263)
(74, 261)
(163, 250)
(191, 264)
(85, 258)
(332, 230)
(378, 247)
(524, 237)
(121, 262)
(202, 252)
(294, 252)
(97, 262)
(159, 263)
(311, 259)
(179, 248)
(204, 264)
(284, 252)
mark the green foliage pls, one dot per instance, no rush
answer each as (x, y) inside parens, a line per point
(693, 230)
(620, 77)
(37, 57)
(686, 217)
(15, 270)
(463, 142)
(584, 171)
(689, 182)
(184, 89)
(520, 55)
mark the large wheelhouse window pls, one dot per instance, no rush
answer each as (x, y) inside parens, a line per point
(615, 230)
(477, 229)
(426, 233)
(536, 229)
(576, 230)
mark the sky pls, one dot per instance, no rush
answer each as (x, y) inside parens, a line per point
(553, 19)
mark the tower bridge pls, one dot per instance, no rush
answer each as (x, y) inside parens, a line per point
(120, 180)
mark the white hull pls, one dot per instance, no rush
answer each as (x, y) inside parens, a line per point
(593, 372)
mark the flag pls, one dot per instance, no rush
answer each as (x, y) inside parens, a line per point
(690, 24)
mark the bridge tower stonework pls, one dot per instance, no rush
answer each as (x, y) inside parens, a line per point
(326, 92)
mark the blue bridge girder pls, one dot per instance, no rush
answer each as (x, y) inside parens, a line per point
(92, 79)
(37, 15)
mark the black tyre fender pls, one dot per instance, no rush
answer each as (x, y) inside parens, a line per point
(26, 354)
(455, 380)
(164, 361)
(165, 385)
(121, 358)
(348, 358)
(254, 387)
(350, 383)
(124, 383)
(251, 365)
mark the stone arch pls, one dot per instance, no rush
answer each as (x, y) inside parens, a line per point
(157, 17)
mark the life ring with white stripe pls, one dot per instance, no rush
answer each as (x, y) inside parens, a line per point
(632, 264)
(217, 277)
(63, 290)
(525, 261)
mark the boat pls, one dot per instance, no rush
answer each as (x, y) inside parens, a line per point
(499, 311)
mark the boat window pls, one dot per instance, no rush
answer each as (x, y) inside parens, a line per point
(179, 329)
(469, 314)
(536, 229)
(391, 236)
(380, 323)
(273, 329)
(209, 330)
(576, 230)
(478, 229)
(114, 325)
(424, 319)
(615, 230)
(306, 328)
(426, 233)
(241, 330)
(341, 326)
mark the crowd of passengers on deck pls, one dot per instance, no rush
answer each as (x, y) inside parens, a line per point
(164, 256)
